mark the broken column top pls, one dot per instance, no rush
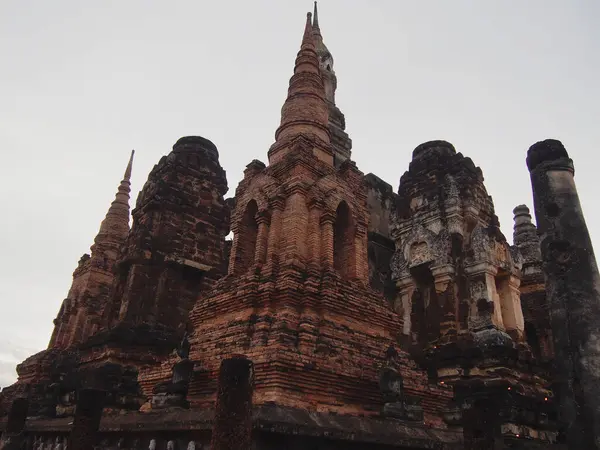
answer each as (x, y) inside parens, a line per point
(197, 144)
(547, 151)
(438, 146)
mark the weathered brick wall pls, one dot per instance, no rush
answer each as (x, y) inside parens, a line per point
(80, 313)
(317, 336)
(152, 375)
(326, 359)
(175, 251)
(176, 247)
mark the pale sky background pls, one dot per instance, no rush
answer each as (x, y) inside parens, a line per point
(84, 82)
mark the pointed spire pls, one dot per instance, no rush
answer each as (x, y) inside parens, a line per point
(127, 175)
(315, 24)
(122, 196)
(115, 226)
(307, 39)
(305, 111)
(325, 60)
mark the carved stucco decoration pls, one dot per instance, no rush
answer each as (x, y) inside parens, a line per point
(453, 207)
(480, 244)
(452, 190)
(420, 253)
(498, 253)
(481, 306)
(421, 246)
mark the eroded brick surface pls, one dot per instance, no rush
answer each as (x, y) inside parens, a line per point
(366, 318)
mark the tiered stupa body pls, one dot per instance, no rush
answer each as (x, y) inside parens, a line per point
(297, 299)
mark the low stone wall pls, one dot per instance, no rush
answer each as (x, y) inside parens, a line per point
(191, 429)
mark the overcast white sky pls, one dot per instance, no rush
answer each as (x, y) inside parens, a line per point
(82, 83)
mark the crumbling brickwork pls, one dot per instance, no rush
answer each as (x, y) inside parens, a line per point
(297, 300)
(341, 315)
(458, 285)
(177, 243)
(175, 251)
(381, 201)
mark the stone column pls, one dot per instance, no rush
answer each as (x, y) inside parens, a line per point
(261, 238)
(314, 235)
(327, 221)
(405, 288)
(361, 268)
(443, 276)
(486, 309)
(512, 312)
(274, 231)
(232, 428)
(309, 318)
(88, 412)
(295, 228)
(13, 435)
(573, 290)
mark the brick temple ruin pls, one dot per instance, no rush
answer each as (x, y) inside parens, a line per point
(342, 315)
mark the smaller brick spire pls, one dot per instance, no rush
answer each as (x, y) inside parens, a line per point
(115, 226)
(305, 111)
(79, 316)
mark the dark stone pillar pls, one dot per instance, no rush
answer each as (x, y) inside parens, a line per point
(15, 424)
(90, 403)
(232, 429)
(573, 290)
